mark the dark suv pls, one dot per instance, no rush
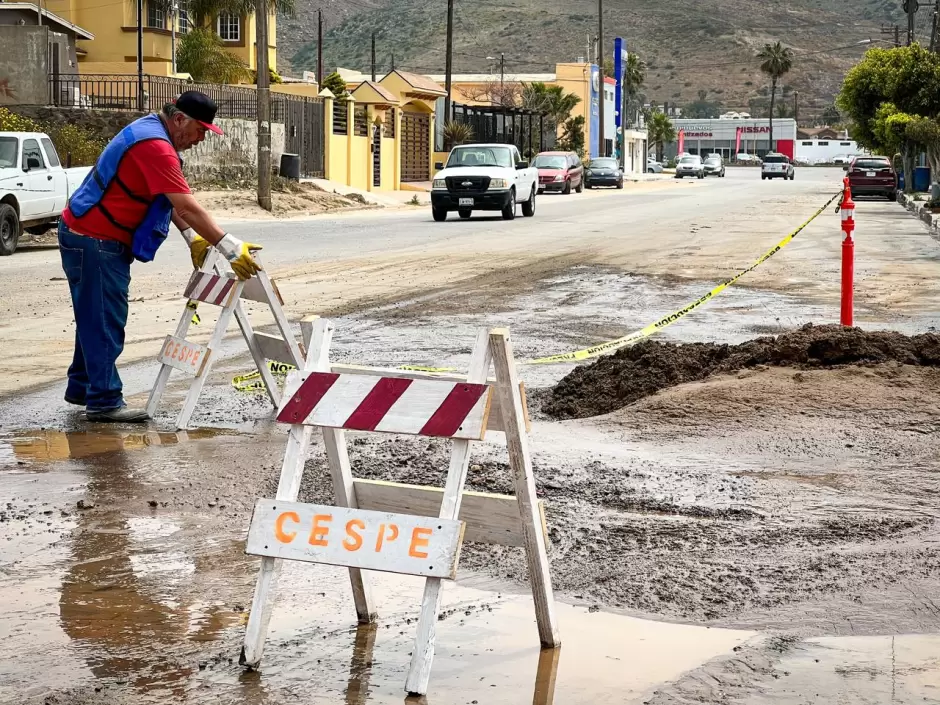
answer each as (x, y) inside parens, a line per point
(873, 176)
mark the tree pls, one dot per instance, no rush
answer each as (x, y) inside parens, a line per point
(633, 79)
(336, 85)
(202, 55)
(552, 101)
(906, 77)
(831, 115)
(457, 133)
(660, 130)
(702, 108)
(495, 92)
(201, 12)
(776, 61)
(892, 130)
(572, 136)
(926, 133)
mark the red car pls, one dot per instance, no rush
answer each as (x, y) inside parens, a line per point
(559, 171)
(873, 176)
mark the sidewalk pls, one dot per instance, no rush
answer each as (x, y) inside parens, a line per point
(389, 199)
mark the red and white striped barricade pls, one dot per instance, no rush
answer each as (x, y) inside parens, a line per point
(392, 527)
(214, 285)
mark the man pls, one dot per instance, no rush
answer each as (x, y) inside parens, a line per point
(122, 212)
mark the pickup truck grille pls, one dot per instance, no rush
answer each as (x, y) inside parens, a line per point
(467, 185)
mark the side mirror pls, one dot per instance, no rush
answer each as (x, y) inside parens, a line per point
(438, 165)
(522, 165)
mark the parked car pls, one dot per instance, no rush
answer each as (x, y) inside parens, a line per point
(746, 158)
(559, 171)
(873, 176)
(690, 165)
(484, 177)
(34, 188)
(777, 166)
(653, 167)
(603, 171)
(714, 166)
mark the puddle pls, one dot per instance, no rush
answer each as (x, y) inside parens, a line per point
(29, 446)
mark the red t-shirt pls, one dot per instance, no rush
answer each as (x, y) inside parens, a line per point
(147, 169)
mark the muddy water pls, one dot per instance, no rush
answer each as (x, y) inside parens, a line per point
(139, 596)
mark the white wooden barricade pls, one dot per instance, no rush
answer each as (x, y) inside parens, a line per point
(373, 525)
(214, 285)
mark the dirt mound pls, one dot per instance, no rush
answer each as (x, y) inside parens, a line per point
(635, 372)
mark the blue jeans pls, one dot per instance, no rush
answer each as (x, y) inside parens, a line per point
(99, 276)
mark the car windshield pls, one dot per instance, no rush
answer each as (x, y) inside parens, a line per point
(690, 160)
(549, 162)
(7, 152)
(775, 159)
(475, 155)
(713, 160)
(604, 164)
(872, 164)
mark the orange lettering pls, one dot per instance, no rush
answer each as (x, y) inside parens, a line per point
(283, 536)
(318, 534)
(196, 358)
(392, 535)
(417, 542)
(354, 540)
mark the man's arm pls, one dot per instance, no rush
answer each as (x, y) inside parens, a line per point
(187, 213)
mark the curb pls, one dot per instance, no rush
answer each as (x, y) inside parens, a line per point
(917, 209)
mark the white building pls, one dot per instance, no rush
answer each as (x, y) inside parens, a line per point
(823, 145)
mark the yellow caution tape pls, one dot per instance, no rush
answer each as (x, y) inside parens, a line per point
(666, 321)
(192, 306)
(610, 346)
(244, 383)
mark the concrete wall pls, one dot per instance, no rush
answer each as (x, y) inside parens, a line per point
(232, 155)
(24, 70)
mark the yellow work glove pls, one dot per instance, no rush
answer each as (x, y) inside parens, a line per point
(238, 254)
(198, 247)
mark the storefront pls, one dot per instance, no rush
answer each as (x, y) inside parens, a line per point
(731, 137)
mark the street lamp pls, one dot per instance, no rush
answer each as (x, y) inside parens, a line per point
(502, 67)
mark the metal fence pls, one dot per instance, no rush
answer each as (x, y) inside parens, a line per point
(122, 92)
(530, 131)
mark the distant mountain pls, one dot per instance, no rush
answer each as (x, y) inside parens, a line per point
(689, 45)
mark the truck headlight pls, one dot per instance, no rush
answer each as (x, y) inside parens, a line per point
(559, 177)
(439, 183)
(499, 183)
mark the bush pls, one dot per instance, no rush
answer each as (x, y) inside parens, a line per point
(11, 122)
(76, 141)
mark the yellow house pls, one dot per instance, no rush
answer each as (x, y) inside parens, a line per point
(114, 49)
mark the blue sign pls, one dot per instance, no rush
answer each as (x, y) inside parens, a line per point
(593, 121)
(620, 70)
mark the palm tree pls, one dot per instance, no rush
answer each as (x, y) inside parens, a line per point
(660, 130)
(201, 12)
(633, 80)
(550, 100)
(776, 61)
(202, 55)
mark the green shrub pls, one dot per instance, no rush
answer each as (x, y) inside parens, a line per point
(83, 146)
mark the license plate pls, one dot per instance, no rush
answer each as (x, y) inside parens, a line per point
(869, 173)
(465, 202)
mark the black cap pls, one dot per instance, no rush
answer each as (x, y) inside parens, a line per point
(199, 107)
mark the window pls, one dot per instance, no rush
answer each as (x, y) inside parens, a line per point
(32, 153)
(823, 144)
(845, 144)
(183, 21)
(156, 15)
(8, 146)
(229, 27)
(50, 151)
(807, 144)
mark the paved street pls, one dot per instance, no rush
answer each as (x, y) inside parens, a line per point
(678, 231)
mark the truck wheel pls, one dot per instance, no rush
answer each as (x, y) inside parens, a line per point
(440, 215)
(528, 208)
(509, 212)
(9, 229)
(464, 214)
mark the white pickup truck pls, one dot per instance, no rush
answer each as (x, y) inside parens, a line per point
(484, 177)
(34, 188)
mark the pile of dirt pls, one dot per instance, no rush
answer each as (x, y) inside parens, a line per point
(289, 200)
(635, 372)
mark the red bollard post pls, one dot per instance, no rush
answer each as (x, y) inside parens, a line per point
(848, 254)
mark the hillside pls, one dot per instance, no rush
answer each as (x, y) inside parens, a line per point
(689, 46)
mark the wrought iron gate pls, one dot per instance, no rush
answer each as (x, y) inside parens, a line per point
(303, 128)
(415, 147)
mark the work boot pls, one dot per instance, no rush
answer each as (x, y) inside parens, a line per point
(123, 414)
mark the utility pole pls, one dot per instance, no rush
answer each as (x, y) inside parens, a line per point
(373, 57)
(449, 60)
(173, 9)
(910, 7)
(933, 30)
(140, 55)
(502, 67)
(601, 89)
(264, 108)
(393, 62)
(796, 108)
(320, 48)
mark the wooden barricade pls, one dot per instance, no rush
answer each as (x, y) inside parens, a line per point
(214, 285)
(392, 527)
